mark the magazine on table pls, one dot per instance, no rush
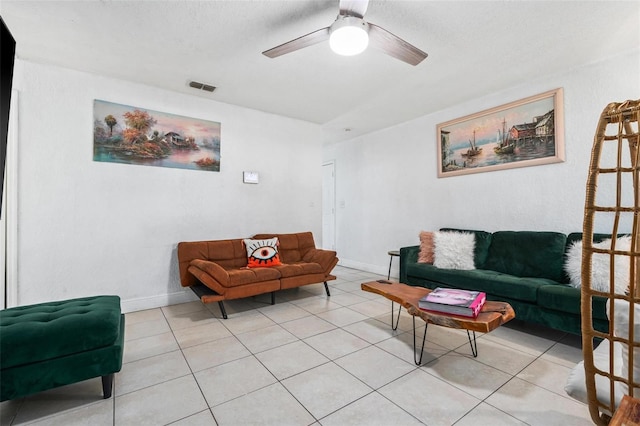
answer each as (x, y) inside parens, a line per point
(454, 301)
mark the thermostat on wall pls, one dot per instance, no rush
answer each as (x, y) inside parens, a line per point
(250, 177)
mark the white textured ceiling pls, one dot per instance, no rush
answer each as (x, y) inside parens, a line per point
(475, 48)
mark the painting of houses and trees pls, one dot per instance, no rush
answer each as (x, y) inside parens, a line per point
(131, 135)
(528, 132)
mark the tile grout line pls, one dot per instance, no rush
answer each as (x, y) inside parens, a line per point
(192, 373)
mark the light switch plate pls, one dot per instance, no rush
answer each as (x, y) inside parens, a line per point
(250, 177)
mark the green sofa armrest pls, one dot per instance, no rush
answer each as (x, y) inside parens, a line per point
(407, 255)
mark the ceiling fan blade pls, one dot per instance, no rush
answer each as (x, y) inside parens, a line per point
(354, 7)
(298, 43)
(394, 46)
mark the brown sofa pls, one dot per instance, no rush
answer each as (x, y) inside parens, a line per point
(217, 270)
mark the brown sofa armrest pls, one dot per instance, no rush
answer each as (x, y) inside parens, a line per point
(217, 272)
(325, 258)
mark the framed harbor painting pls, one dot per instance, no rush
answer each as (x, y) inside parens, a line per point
(132, 135)
(528, 132)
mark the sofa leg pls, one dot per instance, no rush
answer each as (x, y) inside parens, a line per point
(326, 288)
(107, 385)
(273, 297)
(222, 311)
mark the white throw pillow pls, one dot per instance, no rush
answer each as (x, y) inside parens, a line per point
(621, 329)
(576, 382)
(600, 266)
(454, 250)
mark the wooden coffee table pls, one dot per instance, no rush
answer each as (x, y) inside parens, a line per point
(492, 315)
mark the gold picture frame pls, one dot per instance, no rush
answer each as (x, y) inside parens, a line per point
(528, 132)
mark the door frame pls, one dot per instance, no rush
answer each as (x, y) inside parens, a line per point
(331, 163)
(9, 235)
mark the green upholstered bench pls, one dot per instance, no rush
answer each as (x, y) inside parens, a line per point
(53, 344)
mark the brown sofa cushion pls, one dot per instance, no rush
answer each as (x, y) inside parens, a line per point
(299, 268)
(238, 277)
(227, 253)
(232, 277)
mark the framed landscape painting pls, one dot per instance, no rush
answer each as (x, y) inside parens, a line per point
(528, 132)
(133, 135)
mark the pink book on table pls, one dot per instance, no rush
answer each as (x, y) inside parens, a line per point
(455, 301)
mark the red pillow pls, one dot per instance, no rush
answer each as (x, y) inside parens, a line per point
(262, 253)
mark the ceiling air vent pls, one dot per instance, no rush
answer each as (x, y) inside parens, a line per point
(202, 86)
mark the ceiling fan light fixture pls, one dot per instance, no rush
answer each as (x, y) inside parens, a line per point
(349, 36)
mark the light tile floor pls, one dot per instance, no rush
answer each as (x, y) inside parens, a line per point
(317, 360)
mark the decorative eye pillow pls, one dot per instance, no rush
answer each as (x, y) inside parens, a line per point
(262, 253)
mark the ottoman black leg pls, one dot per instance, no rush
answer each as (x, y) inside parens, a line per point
(107, 385)
(326, 288)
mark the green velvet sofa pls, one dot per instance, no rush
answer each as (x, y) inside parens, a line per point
(523, 268)
(52, 344)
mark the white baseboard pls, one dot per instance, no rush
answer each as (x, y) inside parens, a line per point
(143, 303)
(375, 269)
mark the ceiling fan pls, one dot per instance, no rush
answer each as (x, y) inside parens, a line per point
(350, 34)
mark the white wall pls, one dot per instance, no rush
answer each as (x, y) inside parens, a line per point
(89, 228)
(387, 189)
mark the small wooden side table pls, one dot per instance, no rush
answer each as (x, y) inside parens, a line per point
(628, 413)
(392, 254)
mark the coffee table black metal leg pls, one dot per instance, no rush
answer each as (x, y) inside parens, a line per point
(424, 337)
(395, 327)
(474, 344)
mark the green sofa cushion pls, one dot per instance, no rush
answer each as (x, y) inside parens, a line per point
(483, 241)
(565, 298)
(491, 282)
(597, 237)
(527, 254)
(34, 333)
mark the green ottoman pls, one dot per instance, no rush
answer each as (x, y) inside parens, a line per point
(53, 344)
